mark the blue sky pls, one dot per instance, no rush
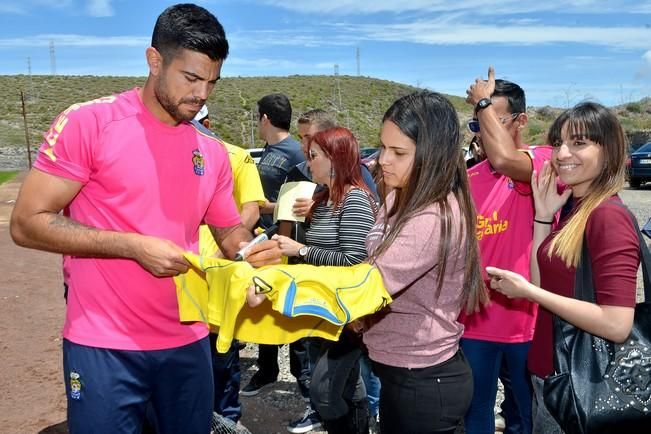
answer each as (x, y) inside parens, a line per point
(560, 52)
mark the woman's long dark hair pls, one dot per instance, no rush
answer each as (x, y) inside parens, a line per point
(438, 169)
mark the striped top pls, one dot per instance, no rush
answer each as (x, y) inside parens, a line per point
(338, 238)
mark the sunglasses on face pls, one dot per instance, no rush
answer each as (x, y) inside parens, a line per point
(312, 155)
(473, 125)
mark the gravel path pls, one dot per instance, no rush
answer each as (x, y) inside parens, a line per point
(31, 315)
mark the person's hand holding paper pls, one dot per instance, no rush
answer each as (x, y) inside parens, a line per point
(302, 206)
(291, 194)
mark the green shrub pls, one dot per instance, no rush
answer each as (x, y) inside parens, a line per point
(6, 176)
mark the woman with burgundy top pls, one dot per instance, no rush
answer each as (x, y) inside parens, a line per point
(589, 157)
(424, 245)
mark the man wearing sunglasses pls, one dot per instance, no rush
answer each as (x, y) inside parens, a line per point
(500, 334)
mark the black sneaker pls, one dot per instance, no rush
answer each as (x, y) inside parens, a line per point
(256, 383)
(308, 422)
(304, 389)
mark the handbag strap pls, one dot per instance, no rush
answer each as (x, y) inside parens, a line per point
(583, 284)
(645, 257)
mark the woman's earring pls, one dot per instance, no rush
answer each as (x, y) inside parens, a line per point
(332, 172)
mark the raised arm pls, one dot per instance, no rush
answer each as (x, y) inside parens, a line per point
(36, 223)
(547, 202)
(499, 146)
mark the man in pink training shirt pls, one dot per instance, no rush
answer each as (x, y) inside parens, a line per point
(134, 180)
(499, 335)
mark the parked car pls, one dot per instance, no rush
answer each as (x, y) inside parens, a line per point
(255, 153)
(367, 152)
(371, 159)
(639, 170)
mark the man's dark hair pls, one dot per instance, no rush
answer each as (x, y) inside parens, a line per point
(190, 27)
(513, 93)
(278, 110)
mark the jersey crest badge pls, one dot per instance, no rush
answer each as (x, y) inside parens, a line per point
(198, 163)
(75, 386)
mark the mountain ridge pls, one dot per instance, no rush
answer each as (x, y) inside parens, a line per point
(357, 102)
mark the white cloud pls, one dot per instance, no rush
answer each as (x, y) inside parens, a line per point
(261, 63)
(445, 30)
(647, 57)
(12, 8)
(290, 38)
(76, 41)
(436, 32)
(94, 8)
(100, 8)
(274, 64)
(475, 7)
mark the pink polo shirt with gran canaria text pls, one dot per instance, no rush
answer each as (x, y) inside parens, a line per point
(505, 213)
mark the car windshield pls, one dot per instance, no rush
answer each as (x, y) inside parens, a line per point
(644, 148)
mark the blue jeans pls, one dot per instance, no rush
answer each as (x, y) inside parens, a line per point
(372, 385)
(485, 359)
(108, 391)
(509, 407)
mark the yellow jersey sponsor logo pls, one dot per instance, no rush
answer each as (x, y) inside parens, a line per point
(490, 225)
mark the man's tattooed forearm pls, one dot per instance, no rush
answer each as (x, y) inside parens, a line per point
(63, 221)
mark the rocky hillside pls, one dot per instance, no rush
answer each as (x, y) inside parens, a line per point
(357, 102)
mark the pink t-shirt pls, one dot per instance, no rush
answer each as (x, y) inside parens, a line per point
(418, 329)
(505, 213)
(143, 176)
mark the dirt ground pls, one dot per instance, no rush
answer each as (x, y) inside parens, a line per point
(31, 316)
(32, 309)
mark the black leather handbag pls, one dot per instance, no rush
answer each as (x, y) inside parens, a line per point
(600, 386)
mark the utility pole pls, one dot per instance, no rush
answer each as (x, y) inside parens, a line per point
(252, 128)
(336, 97)
(30, 90)
(53, 60)
(358, 62)
(29, 151)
